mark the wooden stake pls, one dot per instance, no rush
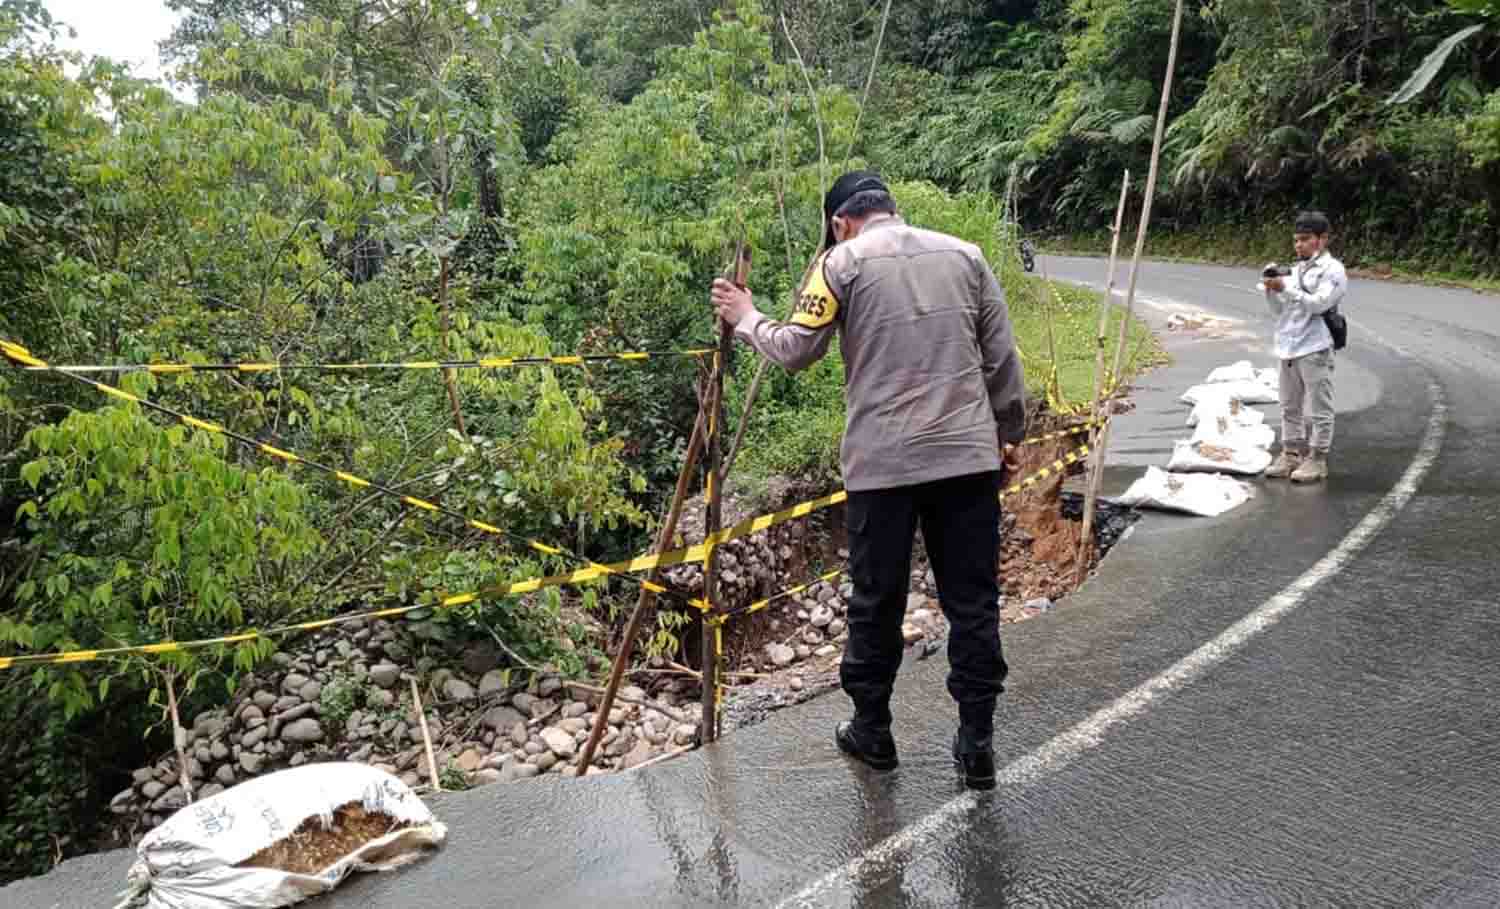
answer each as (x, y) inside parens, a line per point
(1156, 142)
(1145, 222)
(1100, 408)
(713, 511)
(432, 773)
(179, 736)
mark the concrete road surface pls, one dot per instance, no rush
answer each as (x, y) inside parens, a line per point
(1295, 704)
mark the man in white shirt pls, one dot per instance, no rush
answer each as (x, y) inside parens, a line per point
(1305, 346)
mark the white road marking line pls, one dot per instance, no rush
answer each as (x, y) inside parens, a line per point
(945, 822)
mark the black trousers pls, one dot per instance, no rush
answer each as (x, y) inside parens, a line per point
(960, 520)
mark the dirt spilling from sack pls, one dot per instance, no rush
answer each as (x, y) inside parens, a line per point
(312, 847)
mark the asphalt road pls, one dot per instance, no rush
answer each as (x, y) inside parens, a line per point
(1295, 704)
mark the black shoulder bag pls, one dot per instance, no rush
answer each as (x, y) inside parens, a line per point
(1338, 326)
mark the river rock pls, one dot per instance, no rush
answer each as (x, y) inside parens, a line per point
(502, 719)
(480, 657)
(294, 682)
(251, 763)
(516, 770)
(493, 682)
(385, 675)
(458, 690)
(304, 731)
(310, 692)
(780, 654)
(560, 742)
(484, 777)
(640, 754)
(822, 617)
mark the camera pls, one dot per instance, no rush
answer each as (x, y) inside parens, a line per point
(1276, 271)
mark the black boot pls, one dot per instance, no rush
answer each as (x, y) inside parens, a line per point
(975, 758)
(869, 745)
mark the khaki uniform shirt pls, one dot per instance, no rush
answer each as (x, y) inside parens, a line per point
(932, 378)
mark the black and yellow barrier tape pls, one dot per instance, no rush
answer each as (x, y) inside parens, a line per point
(20, 356)
(1058, 467)
(1077, 430)
(592, 572)
(422, 505)
(461, 599)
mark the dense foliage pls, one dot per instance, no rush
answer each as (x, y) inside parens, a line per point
(386, 182)
(1277, 105)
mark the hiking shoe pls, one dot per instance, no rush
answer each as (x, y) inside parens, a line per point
(1286, 464)
(975, 762)
(876, 749)
(1312, 469)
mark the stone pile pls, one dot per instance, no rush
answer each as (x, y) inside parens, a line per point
(345, 694)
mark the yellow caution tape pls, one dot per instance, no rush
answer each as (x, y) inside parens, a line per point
(24, 360)
(593, 572)
(20, 354)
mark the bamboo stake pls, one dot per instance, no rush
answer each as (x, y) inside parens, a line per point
(1096, 455)
(1156, 142)
(1145, 222)
(179, 736)
(432, 772)
(713, 512)
(645, 600)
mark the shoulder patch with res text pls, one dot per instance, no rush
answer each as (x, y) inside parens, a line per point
(816, 304)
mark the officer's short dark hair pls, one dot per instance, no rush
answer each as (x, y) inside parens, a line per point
(868, 202)
(1311, 222)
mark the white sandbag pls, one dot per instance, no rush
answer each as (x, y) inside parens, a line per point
(1205, 457)
(1238, 413)
(191, 861)
(1245, 392)
(1195, 493)
(1223, 430)
(1243, 371)
(1271, 378)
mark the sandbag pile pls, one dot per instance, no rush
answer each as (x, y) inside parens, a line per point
(1229, 437)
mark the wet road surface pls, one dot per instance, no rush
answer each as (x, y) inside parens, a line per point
(1341, 747)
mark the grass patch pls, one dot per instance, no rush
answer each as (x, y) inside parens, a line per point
(1074, 313)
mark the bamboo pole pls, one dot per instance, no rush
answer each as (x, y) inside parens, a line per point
(1141, 229)
(179, 737)
(710, 652)
(1096, 454)
(1145, 222)
(432, 771)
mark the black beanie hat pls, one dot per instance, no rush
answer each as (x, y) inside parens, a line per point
(1311, 222)
(843, 189)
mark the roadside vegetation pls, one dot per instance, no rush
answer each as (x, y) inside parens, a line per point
(356, 183)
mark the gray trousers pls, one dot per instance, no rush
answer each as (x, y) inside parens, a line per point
(1307, 402)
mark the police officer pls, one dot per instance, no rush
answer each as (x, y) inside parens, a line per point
(934, 389)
